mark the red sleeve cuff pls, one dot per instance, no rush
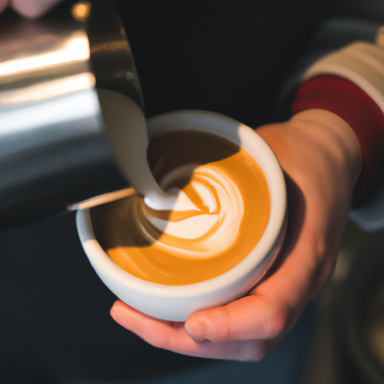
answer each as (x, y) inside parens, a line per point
(356, 108)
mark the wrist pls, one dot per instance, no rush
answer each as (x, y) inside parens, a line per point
(334, 138)
(361, 110)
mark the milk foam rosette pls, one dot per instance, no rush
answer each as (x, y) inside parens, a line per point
(211, 248)
(209, 228)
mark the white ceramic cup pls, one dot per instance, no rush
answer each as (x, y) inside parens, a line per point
(177, 303)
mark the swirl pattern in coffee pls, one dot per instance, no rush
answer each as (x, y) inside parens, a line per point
(227, 215)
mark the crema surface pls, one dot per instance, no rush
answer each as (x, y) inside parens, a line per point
(227, 215)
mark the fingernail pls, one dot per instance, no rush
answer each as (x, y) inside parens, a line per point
(198, 327)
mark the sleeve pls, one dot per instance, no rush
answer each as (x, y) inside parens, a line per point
(350, 83)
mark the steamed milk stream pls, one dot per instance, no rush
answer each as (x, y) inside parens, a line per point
(126, 129)
(222, 215)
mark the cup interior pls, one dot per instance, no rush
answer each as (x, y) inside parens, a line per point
(178, 302)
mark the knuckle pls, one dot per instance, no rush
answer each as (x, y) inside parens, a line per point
(275, 324)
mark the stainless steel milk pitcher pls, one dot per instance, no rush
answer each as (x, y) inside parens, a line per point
(53, 148)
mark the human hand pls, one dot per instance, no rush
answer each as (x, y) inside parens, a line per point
(321, 158)
(29, 8)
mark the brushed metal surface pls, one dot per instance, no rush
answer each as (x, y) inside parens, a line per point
(53, 149)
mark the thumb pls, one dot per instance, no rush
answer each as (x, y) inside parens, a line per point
(250, 318)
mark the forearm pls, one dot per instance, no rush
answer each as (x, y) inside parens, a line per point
(334, 139)
(349, 83)
(321, 156)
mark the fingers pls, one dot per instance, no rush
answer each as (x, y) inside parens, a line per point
(32, 8)
(249, 328)
(267, 313)
(159, 333)
(250, 318)
(240, 329)
(3, 5)
(172, 336)
(274, 305)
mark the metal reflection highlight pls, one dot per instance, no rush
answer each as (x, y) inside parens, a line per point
(76, 48)
(80, 105)
(47, 90)
(53, 147)
(81, 11)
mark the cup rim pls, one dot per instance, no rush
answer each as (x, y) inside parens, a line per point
(255, 146)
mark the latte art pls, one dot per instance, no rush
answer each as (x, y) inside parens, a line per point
(213, 225)
(226, 213)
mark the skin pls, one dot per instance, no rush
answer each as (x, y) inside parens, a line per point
(30, 9)
(321, 158)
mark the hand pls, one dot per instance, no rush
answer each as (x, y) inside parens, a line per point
(321, 158)
(29, 8)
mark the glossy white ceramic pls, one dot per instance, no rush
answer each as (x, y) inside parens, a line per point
(177, 303)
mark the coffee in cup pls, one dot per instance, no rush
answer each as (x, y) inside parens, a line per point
(170, 264)
(230, 197)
